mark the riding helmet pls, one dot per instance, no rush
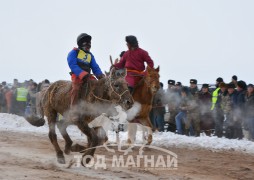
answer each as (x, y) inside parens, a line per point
(83, 37)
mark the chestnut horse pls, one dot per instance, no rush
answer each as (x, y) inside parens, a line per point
(144, 93)
(94, 95)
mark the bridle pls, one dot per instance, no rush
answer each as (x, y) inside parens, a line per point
(148, 83)
(110, 85)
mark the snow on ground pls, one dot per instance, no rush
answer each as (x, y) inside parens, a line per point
(11, 122)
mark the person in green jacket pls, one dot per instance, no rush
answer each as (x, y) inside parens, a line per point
(20, 96)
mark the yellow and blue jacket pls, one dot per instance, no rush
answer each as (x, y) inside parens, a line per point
(80, 61)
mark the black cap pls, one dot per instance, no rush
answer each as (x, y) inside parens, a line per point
(231, 85)
(178, 84)
(193, 81)
(234, 77)
(171, 82)
(205, 86)
(132, 40)
(241, 84)
(47, 81)
(219, 80)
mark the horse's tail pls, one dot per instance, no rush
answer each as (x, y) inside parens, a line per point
(35, 120)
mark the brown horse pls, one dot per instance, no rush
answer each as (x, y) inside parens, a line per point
(143, 94)
(56, 99)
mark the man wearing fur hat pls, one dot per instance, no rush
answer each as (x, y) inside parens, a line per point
(193, 87)
(205, 102)
(173, 100)
(193, 114)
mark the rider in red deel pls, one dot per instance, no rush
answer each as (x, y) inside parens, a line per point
(134, 61)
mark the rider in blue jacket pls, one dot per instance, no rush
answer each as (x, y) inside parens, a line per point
(81, 61)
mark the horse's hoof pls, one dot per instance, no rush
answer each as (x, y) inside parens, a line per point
(61, 160)
(77, 148)
(149, 139)
(67, 149)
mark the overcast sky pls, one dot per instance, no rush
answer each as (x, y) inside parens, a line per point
(188, 39)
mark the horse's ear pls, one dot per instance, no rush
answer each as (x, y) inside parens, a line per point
(107, 73)
(112, 72)
(157, 69)
(117, 73)
(148, 69)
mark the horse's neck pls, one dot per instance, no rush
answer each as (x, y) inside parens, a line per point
(143, 92)
(98, 89)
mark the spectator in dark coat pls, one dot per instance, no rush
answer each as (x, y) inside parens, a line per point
(205, 103)
(249, 110)
(238, 112)
(234, 80)
(229, 110)
(173, 99)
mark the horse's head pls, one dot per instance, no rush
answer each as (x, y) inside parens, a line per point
(152, 79)
(118, 89)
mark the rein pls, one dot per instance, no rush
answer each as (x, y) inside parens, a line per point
(144, 79)
(110, 85)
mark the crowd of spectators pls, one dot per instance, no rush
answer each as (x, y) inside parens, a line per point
(20, 98)
(223, 109)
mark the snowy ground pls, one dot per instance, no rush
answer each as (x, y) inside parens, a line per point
(10, 122)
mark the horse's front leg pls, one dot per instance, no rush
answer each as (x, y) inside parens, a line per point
(150, 136)
(62, 125)
(53, 138)
(92, 138)
(132, 130)
(148, 126)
